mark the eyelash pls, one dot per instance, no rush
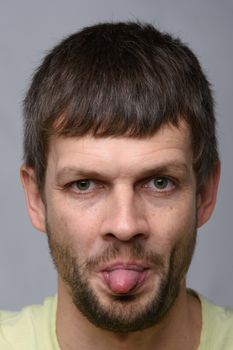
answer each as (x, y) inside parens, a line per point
(171, 183)
(98, 185)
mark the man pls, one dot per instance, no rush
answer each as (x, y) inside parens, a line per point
(120, 169)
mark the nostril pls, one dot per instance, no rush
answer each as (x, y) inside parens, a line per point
(110, 237)
(139, 235)
(117, 237)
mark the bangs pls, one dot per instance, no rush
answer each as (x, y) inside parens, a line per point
(118, 79)
(127, 108)
(120, 88)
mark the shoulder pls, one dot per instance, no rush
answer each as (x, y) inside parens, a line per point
(31, 328)
(217, 326)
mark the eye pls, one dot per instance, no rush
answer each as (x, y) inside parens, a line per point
(160, 184)
(82, 185)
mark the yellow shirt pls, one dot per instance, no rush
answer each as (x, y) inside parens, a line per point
(217, 327)
(34, 327)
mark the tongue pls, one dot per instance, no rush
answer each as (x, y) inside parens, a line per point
(123, 281)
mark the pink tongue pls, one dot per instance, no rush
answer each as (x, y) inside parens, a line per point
(123, 281)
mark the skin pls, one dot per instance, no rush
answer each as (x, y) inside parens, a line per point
(123, 205)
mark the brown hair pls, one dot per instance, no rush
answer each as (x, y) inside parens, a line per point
(116, 79)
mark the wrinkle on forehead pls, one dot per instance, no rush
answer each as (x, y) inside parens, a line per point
(169, 144)
(168, 136)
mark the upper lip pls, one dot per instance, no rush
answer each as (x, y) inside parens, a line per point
(135, 266)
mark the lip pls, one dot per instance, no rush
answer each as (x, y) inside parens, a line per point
(129, 265)
(142, 268)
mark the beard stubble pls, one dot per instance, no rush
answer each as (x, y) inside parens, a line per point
(123, 313)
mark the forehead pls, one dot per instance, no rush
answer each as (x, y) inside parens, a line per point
(168, 144)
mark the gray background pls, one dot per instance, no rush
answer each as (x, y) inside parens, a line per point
(27, 30)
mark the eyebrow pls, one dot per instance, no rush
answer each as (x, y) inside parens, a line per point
(179, 168)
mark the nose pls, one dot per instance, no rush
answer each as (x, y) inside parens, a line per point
(125, 217)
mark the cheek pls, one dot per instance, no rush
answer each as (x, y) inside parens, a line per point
(73, 226)
(172, 223)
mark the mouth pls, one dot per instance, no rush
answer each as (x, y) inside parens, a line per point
(124, 278)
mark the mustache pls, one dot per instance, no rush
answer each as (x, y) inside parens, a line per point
(134, 251)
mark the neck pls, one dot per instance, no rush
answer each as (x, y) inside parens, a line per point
(179, 329)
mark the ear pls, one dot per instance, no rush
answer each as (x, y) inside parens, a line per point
(207, 197)
(34, 201)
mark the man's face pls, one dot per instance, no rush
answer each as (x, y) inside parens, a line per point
(121, 221)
